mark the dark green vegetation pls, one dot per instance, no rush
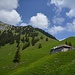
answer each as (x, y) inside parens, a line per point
(26, 51)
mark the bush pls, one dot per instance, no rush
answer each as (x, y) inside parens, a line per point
(41, 37)
(26, 45)
(70, 44)
(34, 41)
(39, 46)
(66, 43)
(17, 56)
(23, 40)
(27, 39)
(46, 39)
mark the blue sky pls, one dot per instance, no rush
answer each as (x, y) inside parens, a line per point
(56, 17)
(29, 8)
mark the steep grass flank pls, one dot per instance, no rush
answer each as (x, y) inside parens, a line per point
(36, 61)
(28, 56)
(62, 63)
(50, 65)
(70, 39)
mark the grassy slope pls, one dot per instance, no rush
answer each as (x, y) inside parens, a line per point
(28, 56)
(6, 56)
(70, 39)
(55, 64)
(36, 61)
(48, 65)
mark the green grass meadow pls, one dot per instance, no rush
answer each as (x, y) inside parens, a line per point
(36, 61)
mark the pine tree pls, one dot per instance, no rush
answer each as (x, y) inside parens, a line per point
(18, 38)
(0, 31)
(46, 39)
(39, 46)
(41, 37)
(23, 40)
(32, 41)
(17, 56)
(27, 39)
(66, 43)
(26, 45)
(70, 44)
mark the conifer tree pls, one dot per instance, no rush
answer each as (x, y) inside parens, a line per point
(46, 39)
(17, 56)
(66, 43)
(41, 37)
(39, 46)
(70, 44)
(23, 40)
(32, 41)
(26, 45)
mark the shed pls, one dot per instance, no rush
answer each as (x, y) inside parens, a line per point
(61, 48)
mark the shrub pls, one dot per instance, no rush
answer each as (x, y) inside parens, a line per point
(23, 40)
(70, 44)
(39, 46)
(26, 45)
(17, 56)
(66, 43)
(46, 39)
(41, 37)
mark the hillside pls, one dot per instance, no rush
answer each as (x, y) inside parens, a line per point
(4, 26)
(56, 64)
(21, 37)
(69, 40)
(45, 33)
(61, 63)
(26, 51)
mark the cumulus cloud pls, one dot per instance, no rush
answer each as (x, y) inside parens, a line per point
(70, 4)
(40, 21)
(62, 39)
(56, 29)
(71, 26)
(10, 17)
(8, 4)
(71, 13)
(58, 20)
(64, 3)
(23, 24)
(8, 14)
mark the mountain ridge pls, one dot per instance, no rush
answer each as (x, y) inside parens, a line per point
(4, 26)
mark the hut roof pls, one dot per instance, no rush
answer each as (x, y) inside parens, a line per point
(64, 45)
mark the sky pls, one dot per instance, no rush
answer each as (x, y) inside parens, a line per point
(56, 17)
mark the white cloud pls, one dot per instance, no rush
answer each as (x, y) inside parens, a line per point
(56, 29)
(65, 4)
(8, 4)
(23, 24)
(71, 13)
(71, 26)
(10, 17)
(62, 39)
(58, 20)
(8, 14)
(40, 21)
(57, 2)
